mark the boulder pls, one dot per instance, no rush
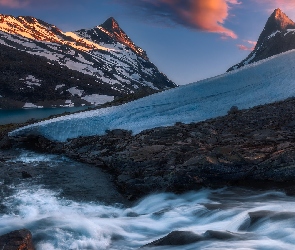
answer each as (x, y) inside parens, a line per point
(176, 238)
(17, 240)
(26, 175)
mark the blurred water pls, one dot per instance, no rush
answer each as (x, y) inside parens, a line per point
(257, 220)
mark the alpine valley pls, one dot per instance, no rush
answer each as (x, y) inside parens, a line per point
(42, 66)
(208, 165)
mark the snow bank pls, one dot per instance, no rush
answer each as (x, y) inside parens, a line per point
(263, 82)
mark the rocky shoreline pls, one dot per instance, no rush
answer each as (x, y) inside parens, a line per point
(253, 148)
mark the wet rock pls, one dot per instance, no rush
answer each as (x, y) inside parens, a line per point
(262, 215)
(233, 110)
(181, 238)
(17, 240)
(5, 143)
(146, 152)
(219, 235)
(26, 175)
(176, 238)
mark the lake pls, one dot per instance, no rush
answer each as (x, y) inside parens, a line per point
(22, 115)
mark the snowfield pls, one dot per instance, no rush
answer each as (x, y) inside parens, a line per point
(263, 82)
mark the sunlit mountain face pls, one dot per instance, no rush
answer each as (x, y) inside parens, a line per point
(49, 67)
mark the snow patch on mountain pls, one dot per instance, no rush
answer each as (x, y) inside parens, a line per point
(59, 86)
(97, 99)
(250, 59)
(292, 31)
(29, 105)
(75, 91)
(31, 81)
(273, 34)
(68, 104)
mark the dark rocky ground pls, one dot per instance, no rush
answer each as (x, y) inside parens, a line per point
(253, 148)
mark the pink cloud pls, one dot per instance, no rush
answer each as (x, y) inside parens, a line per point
(205, 15)
(285, 5)
(14, 3)
(18, 4)
(209, 15)
(243, 47)
(247, 48)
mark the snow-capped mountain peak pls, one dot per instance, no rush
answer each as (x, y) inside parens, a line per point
(277, 37)
(278, 21)
(111, 33)
(39, 30)
(105, 60)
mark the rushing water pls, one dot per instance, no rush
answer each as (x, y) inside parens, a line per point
(55, 206)
(22, 115)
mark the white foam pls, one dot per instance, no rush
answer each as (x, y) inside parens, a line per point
(62, 224)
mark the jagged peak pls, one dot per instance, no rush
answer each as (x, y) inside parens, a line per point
(280, 20)
(278, 11)
(23, 19)
(274, 38)
(110, 24)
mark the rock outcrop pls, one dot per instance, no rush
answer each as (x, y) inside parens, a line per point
(181, 238)
(254, 148)
(17, 240)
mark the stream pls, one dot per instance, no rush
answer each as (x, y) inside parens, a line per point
(70, 205)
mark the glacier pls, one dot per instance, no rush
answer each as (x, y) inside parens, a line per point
(266, 81)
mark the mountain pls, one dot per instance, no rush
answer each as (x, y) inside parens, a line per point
(42, 66)
(270, 80)
(278, 36)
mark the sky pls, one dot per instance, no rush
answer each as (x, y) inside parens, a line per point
(188, 40)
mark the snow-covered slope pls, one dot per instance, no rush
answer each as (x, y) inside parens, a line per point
(267, 81)
(105, 55)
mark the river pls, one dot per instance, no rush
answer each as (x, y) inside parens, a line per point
(70, 205)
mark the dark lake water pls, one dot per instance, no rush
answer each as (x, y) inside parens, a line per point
(21, 115)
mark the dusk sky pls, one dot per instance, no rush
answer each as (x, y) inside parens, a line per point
(188, 40)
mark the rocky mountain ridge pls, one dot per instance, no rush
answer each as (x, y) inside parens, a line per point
(278, 36)
(96, 65)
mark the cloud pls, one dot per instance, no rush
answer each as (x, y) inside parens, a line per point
(243, 47)
(14, 3)
(285, 5)
(19, 4)
(247, 48)
(204, 15)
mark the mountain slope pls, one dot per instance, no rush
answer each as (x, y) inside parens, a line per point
(271, 80)
(95, 63)
(277, 36)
